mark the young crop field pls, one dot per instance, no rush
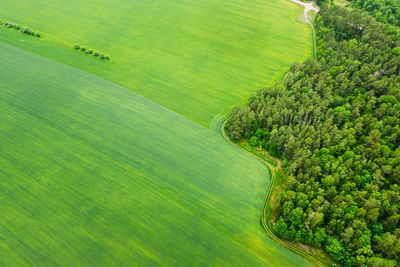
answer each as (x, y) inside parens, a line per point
(112, 162)
(93, 174)
(197, 58)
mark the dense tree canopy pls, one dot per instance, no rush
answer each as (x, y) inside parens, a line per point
(387, 11)
(335, 123)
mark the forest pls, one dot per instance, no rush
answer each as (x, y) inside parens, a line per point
(383, 10)
(334, 122)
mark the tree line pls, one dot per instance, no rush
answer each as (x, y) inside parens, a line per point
(335, 123)
(26, 30)
(90, 51)
(387, 11)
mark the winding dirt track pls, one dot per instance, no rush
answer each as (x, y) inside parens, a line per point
(308, 7)
(271, 169)
(266, 226)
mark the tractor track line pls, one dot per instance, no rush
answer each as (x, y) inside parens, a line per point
(265, 225)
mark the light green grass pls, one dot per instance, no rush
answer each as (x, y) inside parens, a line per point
(244, 143)
(93, 174)
(196, 57)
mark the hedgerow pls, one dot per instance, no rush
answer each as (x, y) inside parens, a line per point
(26, 30)
(90, 51)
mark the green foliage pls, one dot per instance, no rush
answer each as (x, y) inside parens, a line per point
(90, 51)
(319, 237)
(389, 245)
(379, 262)
(387, 11)
(282, 228)
(9, 24)
(253, 141)
(337, 124)
(25, 30)
(396, 51)
(296, 216)
(335, 249)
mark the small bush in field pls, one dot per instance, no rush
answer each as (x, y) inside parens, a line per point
(27, 30)
(253, 141)
(90, 51)
(37, 34)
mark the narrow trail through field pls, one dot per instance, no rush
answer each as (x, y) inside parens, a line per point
(265, 224)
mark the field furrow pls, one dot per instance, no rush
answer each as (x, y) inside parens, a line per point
(94, 174)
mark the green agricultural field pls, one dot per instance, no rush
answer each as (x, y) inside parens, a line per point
(195, 57)
(112, 162)
(92, 173)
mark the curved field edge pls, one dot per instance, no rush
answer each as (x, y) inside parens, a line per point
(145, 252)
(92, 173)
(185, 55)
(312, 254)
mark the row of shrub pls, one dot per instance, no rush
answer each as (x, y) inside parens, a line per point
(17, 27)
(90, 51)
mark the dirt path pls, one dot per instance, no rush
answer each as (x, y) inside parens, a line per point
(265, 224)
(307, 7)
(267, 227)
